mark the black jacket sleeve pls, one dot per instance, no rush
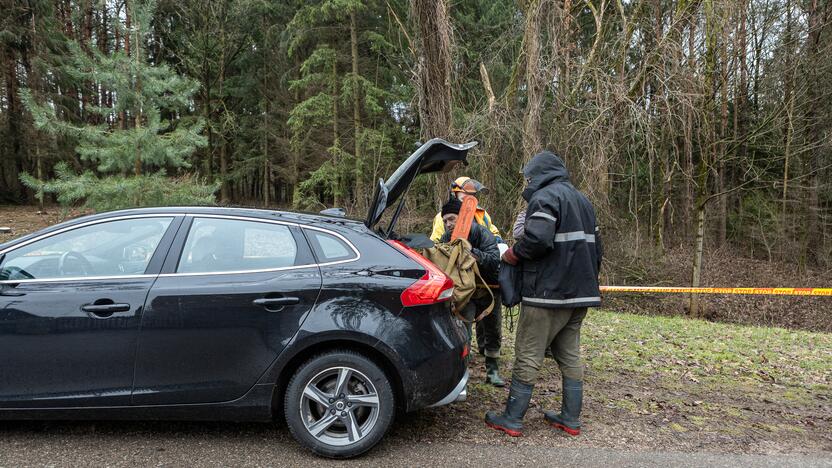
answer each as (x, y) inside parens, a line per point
(599, 247)
(484, 246)
(445, 238)
(540, 229)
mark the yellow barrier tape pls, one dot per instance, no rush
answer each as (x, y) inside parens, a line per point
(760, 291)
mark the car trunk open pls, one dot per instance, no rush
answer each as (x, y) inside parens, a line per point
(437, 155)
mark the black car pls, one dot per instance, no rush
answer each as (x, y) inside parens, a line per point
(232, 314)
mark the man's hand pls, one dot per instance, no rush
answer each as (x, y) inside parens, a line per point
(510, 258)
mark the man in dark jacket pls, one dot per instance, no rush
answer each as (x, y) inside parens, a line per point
(560, 257)
(484, 248)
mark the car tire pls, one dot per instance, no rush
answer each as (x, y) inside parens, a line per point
(339, 404)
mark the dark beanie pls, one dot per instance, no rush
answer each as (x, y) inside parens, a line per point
(452, 207)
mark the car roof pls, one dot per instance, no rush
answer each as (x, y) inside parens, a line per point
(289, 216)
(293, 216)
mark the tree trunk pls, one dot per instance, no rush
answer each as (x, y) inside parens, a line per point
(338, 188)
(699, 243)
(788, 131)
(122, 116)
(659, 98)
(690, 198)
(740, 108)
(224, 195)
(708, 148)
(36, 87)
(812, 238)
(206, 114)
(532, 142)
(358, 187)
(14, 119)
(433, 75)
(722, 204)
(139, 111)
(492, 141)
(267, 175)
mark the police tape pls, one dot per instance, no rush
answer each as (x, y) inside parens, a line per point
(746, 291)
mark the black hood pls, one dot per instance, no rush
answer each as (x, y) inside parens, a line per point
(544, 168)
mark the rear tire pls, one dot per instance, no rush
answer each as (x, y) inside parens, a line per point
(339, 404)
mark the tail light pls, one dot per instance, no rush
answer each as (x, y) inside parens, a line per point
(435, 286)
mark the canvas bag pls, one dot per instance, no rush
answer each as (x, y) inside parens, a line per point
(455, 260)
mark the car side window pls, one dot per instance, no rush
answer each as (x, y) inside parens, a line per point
(217, 245)
(112, 248)
(329, 248)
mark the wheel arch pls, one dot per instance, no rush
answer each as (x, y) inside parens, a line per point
(304, 353)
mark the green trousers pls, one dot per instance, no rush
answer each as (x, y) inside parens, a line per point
(539, 328)
(490, 328)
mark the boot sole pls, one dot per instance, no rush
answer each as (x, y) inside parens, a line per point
(568, 430)
(508, 431)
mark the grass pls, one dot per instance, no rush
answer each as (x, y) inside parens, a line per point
(677, 351)
(691, 383)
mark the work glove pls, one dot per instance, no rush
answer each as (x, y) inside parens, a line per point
(510, 258)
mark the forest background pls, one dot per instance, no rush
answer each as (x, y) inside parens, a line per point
(700, 129)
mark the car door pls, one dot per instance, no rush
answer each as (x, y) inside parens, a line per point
(224, 307)
(70, 308)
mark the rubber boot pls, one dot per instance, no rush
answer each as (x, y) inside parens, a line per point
(511, 420)
(492, 374)
(568, 420)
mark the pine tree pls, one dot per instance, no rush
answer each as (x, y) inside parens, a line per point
(142, 130)
(350, 91)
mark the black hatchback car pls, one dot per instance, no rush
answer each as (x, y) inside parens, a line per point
(232, 314)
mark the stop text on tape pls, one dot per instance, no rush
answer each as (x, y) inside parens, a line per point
(746, 291)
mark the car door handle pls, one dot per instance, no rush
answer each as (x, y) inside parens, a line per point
(104, 310)
(12, 293)
(274, 302)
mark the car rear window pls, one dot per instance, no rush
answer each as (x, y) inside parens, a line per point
(329, 247)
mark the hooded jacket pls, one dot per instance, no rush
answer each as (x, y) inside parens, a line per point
(561, 246)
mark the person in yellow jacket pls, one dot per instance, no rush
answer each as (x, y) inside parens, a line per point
(460, 188)
(490, 328)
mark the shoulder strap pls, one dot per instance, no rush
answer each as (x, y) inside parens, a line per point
(453, 258)
(490, 293)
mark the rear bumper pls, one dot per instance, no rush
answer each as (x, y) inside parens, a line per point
(459, 393)
(432, 365)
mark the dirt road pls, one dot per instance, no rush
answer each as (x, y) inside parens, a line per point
(199, 444)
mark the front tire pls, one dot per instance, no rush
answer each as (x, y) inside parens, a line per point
(339, 404)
